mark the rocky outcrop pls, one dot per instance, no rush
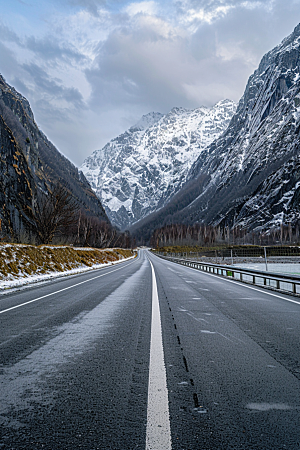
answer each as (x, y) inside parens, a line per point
(17, 187)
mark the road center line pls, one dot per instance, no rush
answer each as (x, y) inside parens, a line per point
(158, 432)
(61, 290)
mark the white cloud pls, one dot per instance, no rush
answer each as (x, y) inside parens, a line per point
(147, 7)
(201, 15)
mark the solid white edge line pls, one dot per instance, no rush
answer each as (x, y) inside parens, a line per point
(61, 290)
(262, 291)
(158, 431)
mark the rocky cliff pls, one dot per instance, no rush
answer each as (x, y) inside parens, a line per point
(29, 162)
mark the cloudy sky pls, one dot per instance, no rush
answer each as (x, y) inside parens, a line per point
(92, 68)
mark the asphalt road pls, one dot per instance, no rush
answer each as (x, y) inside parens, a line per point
(84, 365)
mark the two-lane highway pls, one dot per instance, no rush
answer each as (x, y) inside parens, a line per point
(149, 353)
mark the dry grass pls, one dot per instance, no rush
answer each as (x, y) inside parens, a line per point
(19, 261)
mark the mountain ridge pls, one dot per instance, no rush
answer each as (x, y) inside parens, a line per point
(137, 172)
(227, 183)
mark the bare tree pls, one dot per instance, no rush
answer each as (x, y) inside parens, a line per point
(54, 213)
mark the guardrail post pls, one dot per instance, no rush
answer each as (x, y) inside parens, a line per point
(253, 279)
(277, 284)
(241, 276)
(294, 288)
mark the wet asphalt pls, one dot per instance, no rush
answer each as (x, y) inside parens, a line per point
(74, 364)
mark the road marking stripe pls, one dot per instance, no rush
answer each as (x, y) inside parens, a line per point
(61, 290)
(262, 290)
(158, 433)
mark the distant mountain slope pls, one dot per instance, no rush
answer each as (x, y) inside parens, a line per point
(137, 172)
(250, 175)
(29, 162)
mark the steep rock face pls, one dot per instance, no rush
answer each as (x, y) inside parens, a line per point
(276, 200)
(29, 162)
(137, 172)
(246, 176)
(17, 186)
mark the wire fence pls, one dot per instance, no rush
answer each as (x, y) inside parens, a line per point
(239, 252)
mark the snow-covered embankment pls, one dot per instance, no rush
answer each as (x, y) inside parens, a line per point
(24, 264)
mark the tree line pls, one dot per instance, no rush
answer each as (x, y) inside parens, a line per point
(209, 235)
(55, 217)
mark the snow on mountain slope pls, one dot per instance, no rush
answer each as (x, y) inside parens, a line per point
(250, 175)
(137, 172)
(261, 143)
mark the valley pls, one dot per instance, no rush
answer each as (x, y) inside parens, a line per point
(149, 298)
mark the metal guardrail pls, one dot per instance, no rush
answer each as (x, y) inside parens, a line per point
(279, 282)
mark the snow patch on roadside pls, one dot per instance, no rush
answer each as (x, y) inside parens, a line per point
(20, 282)
(22, 265)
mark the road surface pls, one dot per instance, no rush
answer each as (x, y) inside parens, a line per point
(150, 355)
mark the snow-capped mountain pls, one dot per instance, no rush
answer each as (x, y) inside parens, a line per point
(138, 172)
(250, 175)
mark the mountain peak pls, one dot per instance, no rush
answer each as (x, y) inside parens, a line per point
(146, 121)
(137, 172)
(178, 110)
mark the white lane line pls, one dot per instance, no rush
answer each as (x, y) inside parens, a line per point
(158, 432)
(262, 291)
(61, 290)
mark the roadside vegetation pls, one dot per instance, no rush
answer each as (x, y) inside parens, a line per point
(21, 261)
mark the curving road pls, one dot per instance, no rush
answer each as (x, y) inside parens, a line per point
(151, 355)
